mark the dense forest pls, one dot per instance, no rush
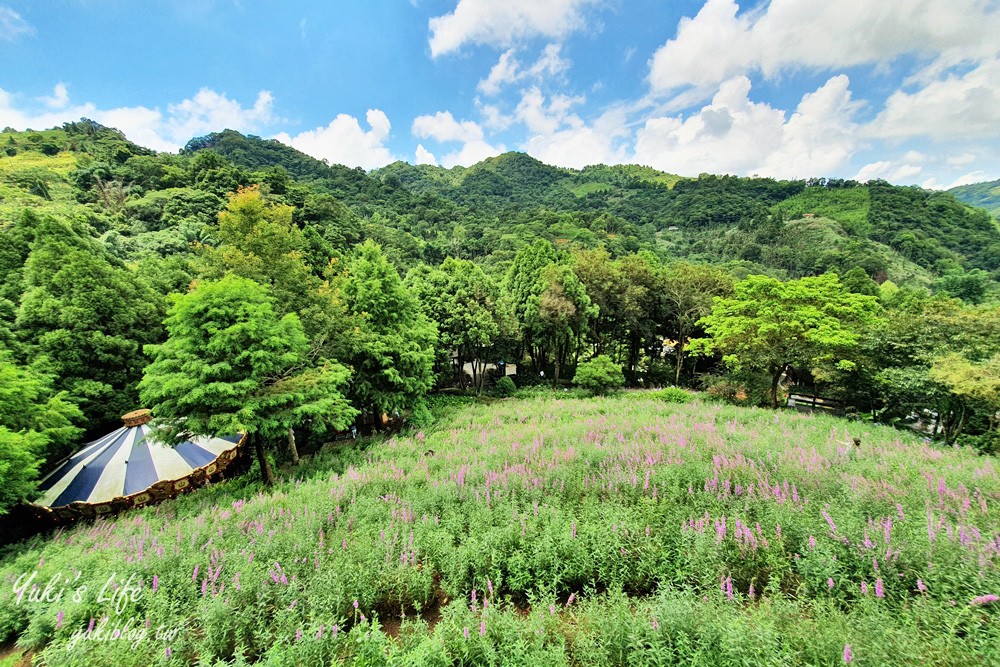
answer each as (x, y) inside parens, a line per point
(243, 285)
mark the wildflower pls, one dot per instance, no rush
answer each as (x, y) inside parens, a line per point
(848, 654)
(879, 590)
(59, 620)
(194, 575)
(168, 652)
(572, 530)
(298, 634)
(319, 633)
(569, 601)
(355, 604)
(829, 583)
(156, 582)
(482, 628)
(465, 631)
(750, 592)
(983, 600)
(812, 542)
(921, 586)
(489, 586)
(552, 609)
(656, 624)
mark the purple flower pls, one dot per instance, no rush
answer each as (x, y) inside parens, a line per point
(194, 575)
(656, 624)
(879, 590)
(355, 604)
(829, 583)
(864, 588)
(59, 620)
(156, 582)
(921, 586)
(984, 600)
(482, 628)
(168, 652)
(298, 634)
(572, 596)
(848, 654)
(465, 631)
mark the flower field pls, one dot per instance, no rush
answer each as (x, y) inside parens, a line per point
(610, 531)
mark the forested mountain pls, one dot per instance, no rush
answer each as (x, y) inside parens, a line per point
(984, 195)
(377, 279)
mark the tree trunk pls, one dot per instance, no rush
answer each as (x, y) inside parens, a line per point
(265, 466)
(680, 362)
(775, 378)
(293, 450)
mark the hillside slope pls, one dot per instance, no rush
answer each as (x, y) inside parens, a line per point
(984, 195)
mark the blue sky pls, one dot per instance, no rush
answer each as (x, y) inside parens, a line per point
(905, 90)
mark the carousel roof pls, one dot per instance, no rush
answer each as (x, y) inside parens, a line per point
(127, 462)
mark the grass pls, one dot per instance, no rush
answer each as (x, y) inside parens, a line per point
(551, 530)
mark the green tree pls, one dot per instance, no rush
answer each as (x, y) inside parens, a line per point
(392, 348)
(599, 375)
(768, 325)
(231, 365)
(461, 300)
(36, 424)
(689, 290)
(89, 316)
(972, 382)
(557, 314)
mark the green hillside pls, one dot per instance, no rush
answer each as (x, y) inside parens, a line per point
(983, 195)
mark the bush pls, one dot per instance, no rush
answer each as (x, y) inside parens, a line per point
(505, 387)
(674, 395)
(599, 375)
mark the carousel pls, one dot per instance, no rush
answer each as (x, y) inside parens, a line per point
(127, 468)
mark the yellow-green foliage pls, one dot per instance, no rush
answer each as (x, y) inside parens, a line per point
(27, 177)
(848, 206)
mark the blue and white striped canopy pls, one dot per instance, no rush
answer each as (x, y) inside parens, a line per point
(125, 463)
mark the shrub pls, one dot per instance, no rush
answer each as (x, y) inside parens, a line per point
(674, 395)
(599, 375)
(505, 387)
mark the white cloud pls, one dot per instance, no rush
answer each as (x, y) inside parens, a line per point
(59, 99)
(12, 26)
(542, 118)
(471, 153)
(720, 41)
(501, 74)
(957, 107)
(501, 23)
(894, 171)
(443, 128)
(508, 70)
(345, 142)
(424, 156)
(735, 135)
(961, 160)
(207, 111)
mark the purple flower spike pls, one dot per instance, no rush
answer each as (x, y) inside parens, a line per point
(984, 600)
(848, 654)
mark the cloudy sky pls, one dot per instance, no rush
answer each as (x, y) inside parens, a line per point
(905, 90)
